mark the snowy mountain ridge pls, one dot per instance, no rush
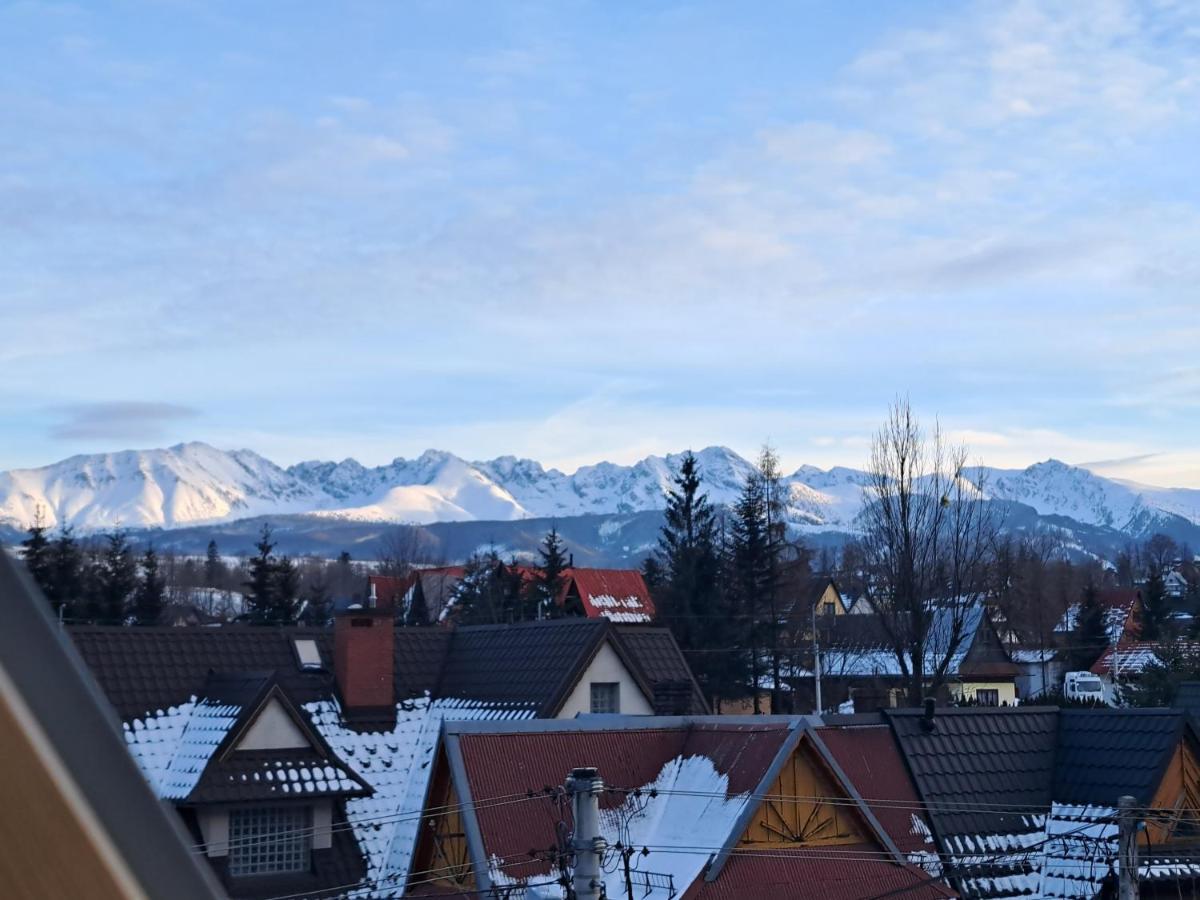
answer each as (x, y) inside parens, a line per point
(195, 483)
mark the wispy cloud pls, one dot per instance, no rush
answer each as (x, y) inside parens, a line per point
(128, 420)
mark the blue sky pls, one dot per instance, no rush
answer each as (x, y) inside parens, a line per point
(577, 231)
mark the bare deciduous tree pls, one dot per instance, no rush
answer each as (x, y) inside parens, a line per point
(927, 537)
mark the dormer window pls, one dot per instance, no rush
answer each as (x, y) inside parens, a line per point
(307, 654)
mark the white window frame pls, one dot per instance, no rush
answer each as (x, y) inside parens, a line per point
(608, 700)
(270, 840)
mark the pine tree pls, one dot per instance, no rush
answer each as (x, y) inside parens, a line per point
(116, 578)
(1155, 608)
(38, 554)
(548, 579)
(261, 588)
(148, 597)
(1091, 632)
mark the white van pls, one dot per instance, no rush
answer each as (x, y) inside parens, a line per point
(1083, 686)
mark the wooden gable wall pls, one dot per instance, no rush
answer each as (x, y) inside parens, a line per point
(805, 807)
(1179, 791)
(442, 857)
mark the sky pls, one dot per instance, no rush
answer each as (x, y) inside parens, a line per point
(580, 231)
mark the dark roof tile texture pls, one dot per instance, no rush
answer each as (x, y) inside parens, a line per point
(1105, 753)
(529, 665)
(978, 760)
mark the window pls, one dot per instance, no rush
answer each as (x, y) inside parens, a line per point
(307, 653)
(988, 696)
(830, 609)
(265, 840)
(606, 697)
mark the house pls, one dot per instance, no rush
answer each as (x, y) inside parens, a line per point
(620, 595)
(78, 819)
(1119, 665)
(708, 807)
(291, 754)
(1040, 671)
(859, 664)
(1175, 584)
(1123, 610)
(1023, 802)
(817, 595)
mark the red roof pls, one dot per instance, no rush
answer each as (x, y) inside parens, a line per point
(854, 872)
(538, 757)
(617, 594)
(625, 757)
(871, 760)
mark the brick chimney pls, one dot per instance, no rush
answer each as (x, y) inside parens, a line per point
(364, 660)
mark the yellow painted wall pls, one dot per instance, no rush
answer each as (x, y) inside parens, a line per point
(792, 816)
(1007, 689)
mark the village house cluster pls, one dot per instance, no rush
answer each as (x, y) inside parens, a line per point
(373, 760)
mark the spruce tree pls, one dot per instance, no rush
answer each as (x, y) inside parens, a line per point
(67, 562)
(479, 597)
(38, 554)
(685, 579)
(318, 605)
(1155, 608)
(148, 597)
(286, 591)
(548, 579)
(262, 588)
(1091, 633)
(116, 578)
(417, 612)
(751, 573)
(214, 567)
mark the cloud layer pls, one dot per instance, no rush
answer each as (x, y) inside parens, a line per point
(597, 232)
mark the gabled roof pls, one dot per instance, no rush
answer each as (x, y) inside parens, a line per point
(859, 646)
(617, 594)
(529, 666)
(976, 760)
(1106, 753)
(701, 781)
(871, 760)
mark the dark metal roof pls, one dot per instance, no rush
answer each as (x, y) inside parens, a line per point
(531, 665)
(1187, 698)
(277, 775)
(1106, 753)
(978, 760)
(143, 670)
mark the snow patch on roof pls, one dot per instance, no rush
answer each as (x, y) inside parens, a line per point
(397, 764)
(173, 746)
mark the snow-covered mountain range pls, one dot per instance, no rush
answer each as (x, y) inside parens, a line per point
(193, 484)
